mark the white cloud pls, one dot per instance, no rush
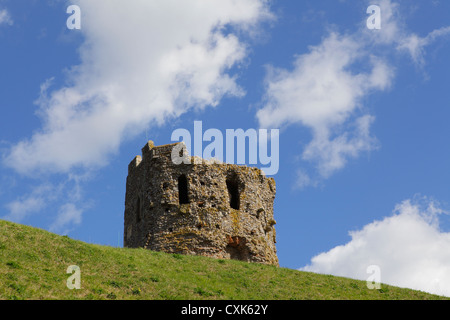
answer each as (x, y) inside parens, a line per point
(142, 62)
(323, 92)
(394, 32)
(332, 154)
(5, 17)
(409, 248)
(415, 45)
(20, 209)
(68, 214)
(303, 180)
(66, 195)
(326, 86)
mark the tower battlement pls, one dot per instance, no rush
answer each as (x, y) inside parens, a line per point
(204, 208)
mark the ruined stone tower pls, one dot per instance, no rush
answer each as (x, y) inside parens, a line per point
(201, 208)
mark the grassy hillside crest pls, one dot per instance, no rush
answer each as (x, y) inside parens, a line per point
(33, 265)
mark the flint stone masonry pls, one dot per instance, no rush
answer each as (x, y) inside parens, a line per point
(203, 208)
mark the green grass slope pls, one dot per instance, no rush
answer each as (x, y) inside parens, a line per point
(33, 265)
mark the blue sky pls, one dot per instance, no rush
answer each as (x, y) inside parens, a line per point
(363, 118)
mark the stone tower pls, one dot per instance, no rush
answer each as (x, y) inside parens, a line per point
(202, 208)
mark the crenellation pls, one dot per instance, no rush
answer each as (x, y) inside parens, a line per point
(134, 163)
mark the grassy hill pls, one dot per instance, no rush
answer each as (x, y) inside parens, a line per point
(33, 265)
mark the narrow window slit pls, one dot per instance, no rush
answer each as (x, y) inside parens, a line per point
(183, 189)
(233, 192)
(138, 210)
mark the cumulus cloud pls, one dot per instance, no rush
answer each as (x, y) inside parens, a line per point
(325, 88)
(5, 17)
(409, 248)
(142, 62)
(323, 92)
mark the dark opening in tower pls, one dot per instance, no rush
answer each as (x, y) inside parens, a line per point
(183, 189)
(233, 192)
(237, 248)
(138, 210)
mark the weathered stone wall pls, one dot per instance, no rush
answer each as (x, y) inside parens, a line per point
(216, 210)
